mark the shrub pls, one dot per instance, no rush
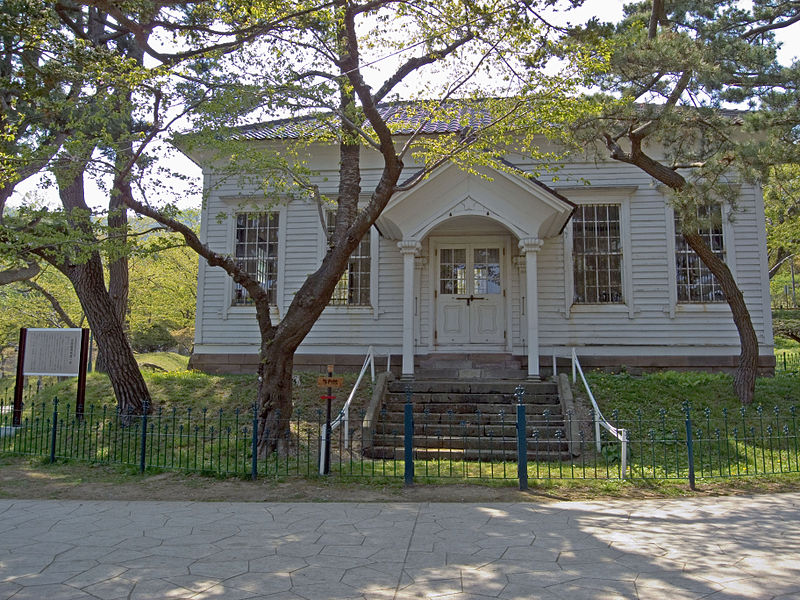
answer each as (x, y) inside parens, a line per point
(155, 338)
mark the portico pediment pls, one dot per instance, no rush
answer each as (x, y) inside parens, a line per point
(524, 206)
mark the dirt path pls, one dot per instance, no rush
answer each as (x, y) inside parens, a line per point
(23, 478)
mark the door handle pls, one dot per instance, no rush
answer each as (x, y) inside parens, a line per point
(470, 298)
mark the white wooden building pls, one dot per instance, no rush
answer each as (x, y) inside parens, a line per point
(463, 264)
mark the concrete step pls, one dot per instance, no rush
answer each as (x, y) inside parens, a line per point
(484, 443)
(461, 412)
(470, 419)
(471, 373)
(456, 386)
(471, 454)
(495, 431)
(477, 401)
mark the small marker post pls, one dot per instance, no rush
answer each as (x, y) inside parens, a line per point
(325, 466)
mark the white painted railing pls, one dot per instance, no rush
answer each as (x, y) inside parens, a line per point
(343, 418)
(599, 419)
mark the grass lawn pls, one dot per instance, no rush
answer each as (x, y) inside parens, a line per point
(172, 386)
(648, 395)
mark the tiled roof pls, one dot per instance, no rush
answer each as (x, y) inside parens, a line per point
(402, 117)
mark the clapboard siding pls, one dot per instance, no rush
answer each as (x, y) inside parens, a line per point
(646, 317)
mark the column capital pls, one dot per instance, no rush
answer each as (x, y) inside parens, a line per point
(530, 244)
(409, 247)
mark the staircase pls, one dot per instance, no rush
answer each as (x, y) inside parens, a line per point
(465, 409)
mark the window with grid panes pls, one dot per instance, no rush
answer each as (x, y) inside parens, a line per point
(696, 284)
(256, 250)
(597, 254)
(354, 285)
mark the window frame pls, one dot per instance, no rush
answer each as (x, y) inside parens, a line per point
(729, 256)
(238, 206)
(374, 262)
(595, 196)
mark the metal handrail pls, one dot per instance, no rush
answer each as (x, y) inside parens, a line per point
(344, 415)
(599, 420)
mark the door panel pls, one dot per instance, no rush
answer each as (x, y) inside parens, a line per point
(486, 310)
(452, 314)
(470, 306)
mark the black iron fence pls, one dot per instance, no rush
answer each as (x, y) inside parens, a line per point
(786, 360)
(517, 445)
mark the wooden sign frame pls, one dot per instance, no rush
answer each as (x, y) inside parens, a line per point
(19, 383)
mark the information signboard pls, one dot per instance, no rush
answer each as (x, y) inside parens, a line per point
(54, 352)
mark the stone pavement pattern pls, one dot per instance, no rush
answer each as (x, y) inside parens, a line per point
(734, 547)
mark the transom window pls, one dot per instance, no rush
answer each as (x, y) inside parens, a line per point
(597, 254)
(696, 284)
(256, 250)
(353, 288)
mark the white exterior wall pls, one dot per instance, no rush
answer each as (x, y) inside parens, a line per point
(650, 322)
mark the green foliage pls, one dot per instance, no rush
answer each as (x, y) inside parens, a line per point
(782, 343)
(163, 290)
(786, 324)
(154, 338)
(678, 71)
(782, 209)
(23, 306)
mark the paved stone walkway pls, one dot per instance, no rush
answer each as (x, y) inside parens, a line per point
(736, 547)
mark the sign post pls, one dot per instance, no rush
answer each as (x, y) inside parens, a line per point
(16, 417)
(328, 382)
(55, 352)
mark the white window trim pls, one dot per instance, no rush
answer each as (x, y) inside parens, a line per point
(374, 255)
(622, 198)
(729, 245)
(239, 205)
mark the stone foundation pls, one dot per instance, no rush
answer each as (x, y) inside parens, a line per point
(248, 363)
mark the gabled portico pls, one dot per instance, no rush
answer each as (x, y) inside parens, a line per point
(474, 224)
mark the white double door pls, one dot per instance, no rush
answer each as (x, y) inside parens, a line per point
(470, 298)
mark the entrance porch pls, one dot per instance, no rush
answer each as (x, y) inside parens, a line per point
(469, 246)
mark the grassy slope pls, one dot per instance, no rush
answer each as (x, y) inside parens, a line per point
(163, 361)
(185, 389)
(668, 390)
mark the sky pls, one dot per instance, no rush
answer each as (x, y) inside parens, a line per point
(188, 194)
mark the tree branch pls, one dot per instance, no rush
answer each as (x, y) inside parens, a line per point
(54, 303)
(20, 274)
(756, 31)
(417, 62)
(214, 259)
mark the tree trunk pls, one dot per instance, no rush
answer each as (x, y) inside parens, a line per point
(118, 271)
(87, 277)
(274, 400)
(112, 343)
(744, 380)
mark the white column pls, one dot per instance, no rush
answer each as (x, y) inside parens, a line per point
(419, 264)
(409, 249)
(519, 263)
(529, 247)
